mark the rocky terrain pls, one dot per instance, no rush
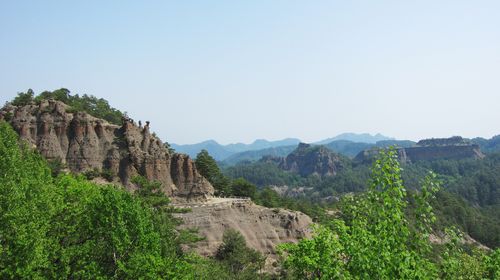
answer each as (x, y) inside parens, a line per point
(82, 142)
(431, 149)
(263, 228)
(309, 160)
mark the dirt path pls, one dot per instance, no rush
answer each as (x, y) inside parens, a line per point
(212, 201)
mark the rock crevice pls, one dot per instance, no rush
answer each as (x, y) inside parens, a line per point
(83, 142)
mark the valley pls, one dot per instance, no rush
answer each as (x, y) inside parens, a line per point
(274, 197)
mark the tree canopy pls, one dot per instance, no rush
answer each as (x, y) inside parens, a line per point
(375, 239)
(67, 227)
(97, 107)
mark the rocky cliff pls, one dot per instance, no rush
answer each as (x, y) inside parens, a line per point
(431, 149)
(83, 142)
(263, 228)
(310, 160)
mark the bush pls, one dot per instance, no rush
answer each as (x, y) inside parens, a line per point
(108, 174)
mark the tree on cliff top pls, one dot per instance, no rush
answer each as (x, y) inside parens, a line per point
(97, 107)
(207, 166)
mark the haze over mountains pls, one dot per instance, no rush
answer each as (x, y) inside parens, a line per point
(269, 176)
(223, 152)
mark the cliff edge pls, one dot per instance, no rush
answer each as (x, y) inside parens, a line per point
(83, 143)
(453, 148)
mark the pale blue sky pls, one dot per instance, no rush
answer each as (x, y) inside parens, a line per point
(235, 71)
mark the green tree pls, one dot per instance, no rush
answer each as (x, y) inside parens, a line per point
(321, 257)
(27, 203)
(103, 232)
(24, 98)
(94, 106)
(241, 187)
(207, 166)
(376, 241)
(69, 228)
(235, 254)
(492, 263)
(268, 198)
(457, 264)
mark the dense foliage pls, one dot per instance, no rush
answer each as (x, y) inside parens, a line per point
(207, 166)
(58, 226)
(242, 262)
(94, 106)
(67, 227)
(375, 240)
(469, 199)
(488, 145)
(263, 174)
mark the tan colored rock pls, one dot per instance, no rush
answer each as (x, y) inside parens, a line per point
(263, 228)
(84, 142)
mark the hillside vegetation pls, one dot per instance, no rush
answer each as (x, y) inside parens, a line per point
(97, 107)
(66, 227)
(373, 222)
(469, 199)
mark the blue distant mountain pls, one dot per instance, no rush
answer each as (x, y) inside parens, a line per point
(356, 137)
(239, 151)
(221, 152)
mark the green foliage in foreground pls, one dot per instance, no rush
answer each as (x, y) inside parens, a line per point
(68, 227)
(469, 198)
(376, 241)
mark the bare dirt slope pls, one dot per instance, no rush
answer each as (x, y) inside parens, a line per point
(263, 228)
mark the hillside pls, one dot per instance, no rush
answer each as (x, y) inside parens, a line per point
(431, 149)
(348, 144)
(262, 227)
(84, 143)
(343, 147)
(80, 143)
(223, 152)
(281, 151)
(488, 145)
(356, 137)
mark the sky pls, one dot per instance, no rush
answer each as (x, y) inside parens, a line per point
(236, 71)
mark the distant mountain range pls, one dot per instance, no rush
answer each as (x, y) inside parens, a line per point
(226, 152)
(356, 137)
(348, 144)
(221, 152)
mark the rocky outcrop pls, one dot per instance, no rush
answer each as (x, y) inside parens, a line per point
(309, 160)
(453, 148)
(263, 228)
(84, 142)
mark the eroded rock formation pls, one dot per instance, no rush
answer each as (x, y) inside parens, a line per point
(309, 160)
(263, 228)
(83, 142)
(431, 149)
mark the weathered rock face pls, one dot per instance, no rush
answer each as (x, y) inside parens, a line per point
(443, 152)
(84, 142)
(431, 149)
(263, 228)
(310, 160)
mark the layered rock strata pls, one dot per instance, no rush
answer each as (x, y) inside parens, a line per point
(83, 142)
(263, 228)
(454, 148)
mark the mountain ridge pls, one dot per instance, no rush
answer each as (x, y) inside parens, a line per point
(85, 143)
(222, 152)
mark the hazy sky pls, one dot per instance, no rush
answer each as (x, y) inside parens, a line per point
(235, 71)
